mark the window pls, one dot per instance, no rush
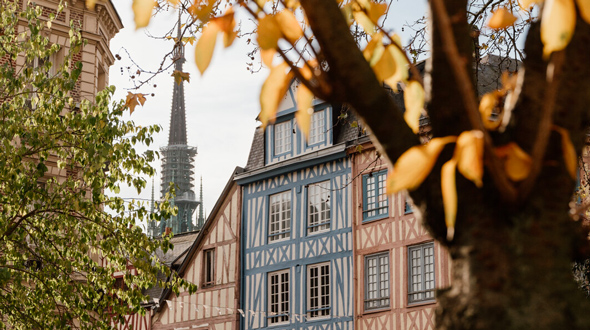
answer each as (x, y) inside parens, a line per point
(318, 290)
(318, 207)
(317, 128)
(279, 226)
(408, 208)
(208, 267)
(282, 138)
(375, 202)
(278, 297)
(377, 281)
(421, 272)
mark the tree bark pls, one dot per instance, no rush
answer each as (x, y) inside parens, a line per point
(512, 262)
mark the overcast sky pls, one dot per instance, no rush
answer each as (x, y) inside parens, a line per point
(221, 105)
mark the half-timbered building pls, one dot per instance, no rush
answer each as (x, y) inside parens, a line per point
(212, 263)
(398, 265)
(296, 229)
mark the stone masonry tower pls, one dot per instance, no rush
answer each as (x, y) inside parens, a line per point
(178, 157)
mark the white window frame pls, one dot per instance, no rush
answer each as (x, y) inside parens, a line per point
(318, 291)
(377, 284)
(317, 128)
(421, 273)
(279, 216)
(375, 199)
(282, 137)
(319, 211)
(278, 309)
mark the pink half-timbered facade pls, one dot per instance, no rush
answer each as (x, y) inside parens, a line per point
(398, 265)
(212, 262)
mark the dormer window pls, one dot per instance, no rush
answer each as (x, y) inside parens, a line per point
(282, 138)
(318, 128)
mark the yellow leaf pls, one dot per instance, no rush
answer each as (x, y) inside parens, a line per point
(569, 152)
(414, 165)
(274, 88)
(376, 10)
(308, 68)
(486, 107)
(141, 99)
(449, 195)
(584, 7)
(90, 4)
(269, 32)
(501, 19)
(414, 100)
(267, 56)
(180, 76)
(289, 25)
(174, 2)
(228, 38)
(226, 22)
(401, 64)
(304, 109)
(469, 155)
(206, 46)
(292, 4)
(347, 13)
(142, 9)
(526, 4)
(517, 162)
(374, 49)
(364, 21)
(200, 11)
(557, 25)
(385, 67)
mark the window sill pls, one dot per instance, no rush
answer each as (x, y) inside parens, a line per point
(376, 310)
(279, 240)
(316, 319)
(421, 303)
(376, 218)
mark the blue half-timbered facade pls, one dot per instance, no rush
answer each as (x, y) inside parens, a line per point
(297, 224)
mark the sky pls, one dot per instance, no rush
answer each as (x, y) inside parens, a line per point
(221, 105)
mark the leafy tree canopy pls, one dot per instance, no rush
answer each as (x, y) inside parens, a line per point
(59, 247)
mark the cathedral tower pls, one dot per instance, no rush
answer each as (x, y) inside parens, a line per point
(178, 157)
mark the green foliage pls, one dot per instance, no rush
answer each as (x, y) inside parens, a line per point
(59, 247)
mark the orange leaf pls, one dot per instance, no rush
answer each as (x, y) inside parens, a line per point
(267, 56)
(206, 46)
(132, 100)
(269, 32)
(180, 76)
(90, 4)
(517, 162)
(488, 103)
(570, 156)
(501, 19)
(414, 165)
(274, 88)
(304, 109)
(401, 64)
(469, 156)
(449, 195)
(526, 4)
(376, 10)
(142, 9)
(364, 21)
(584, 7)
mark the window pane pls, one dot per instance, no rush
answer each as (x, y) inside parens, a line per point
(279, 225)
(318, 217)
(375, 201)
(377, 281)
(318, 290)
(421, 272)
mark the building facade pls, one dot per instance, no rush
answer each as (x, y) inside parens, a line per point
(212, 263)
(296, 229)
(398, 265)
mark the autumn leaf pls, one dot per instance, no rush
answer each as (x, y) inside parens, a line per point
(174, 2)
(364, 21)
(488, 103)
(526, 4)
(133, 100)
(414, 165)
(401, 64)
(304, 100)
(267, 56)
(449, 195)
(584, 7)
(517, 164)
(557, 25)
(469, 156)
(142, 9)
(180, 76)
(569, 152)
(374, 49)
(376, 10)
(269, 32)
(501, 19)
(90, 4)
(414, 101)
(274, 88)
(289, 25)
(202, 12)
(347, 13)
(206, 46)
